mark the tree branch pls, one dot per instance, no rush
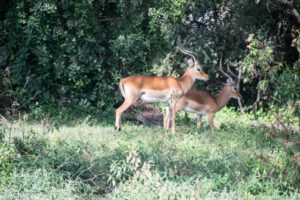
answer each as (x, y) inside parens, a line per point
(290, 5)
(255, 103)
(258, 95)
(287, 2)
(296, 14)
(110, 19)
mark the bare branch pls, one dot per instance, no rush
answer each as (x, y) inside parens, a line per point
(110, 19)
(255, 103)
(241, 108)
(287, 2)
(280, 122)
(296, 14)
(290, 5)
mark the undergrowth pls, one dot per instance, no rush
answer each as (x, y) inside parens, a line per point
(90, 161)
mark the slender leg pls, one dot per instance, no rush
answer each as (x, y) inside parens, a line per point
(176, 106)
(198, 121)
(173, 114)
(164, 120)
(211, 122)
(119, 112)
(167, 117)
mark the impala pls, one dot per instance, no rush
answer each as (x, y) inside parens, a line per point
(159, 89)
(203, 103)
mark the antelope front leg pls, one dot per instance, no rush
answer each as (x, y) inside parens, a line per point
(211, 122)
(173, 113)
(167, 118)
(174, 102)
(198, 121)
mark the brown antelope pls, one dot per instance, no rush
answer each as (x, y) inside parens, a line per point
(159, 89)
(203, 103)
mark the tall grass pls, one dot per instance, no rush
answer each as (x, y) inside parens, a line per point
(89, 161)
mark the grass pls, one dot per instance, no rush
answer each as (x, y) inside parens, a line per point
(92, 161)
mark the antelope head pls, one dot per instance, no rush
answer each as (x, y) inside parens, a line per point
(196, 68)
(233, 82)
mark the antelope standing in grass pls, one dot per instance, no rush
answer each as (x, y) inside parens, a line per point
(159, 89)
(203, 103)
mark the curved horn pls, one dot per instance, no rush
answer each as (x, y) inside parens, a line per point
(186, 52)
(230, 72)
(239, 76)
(236, 77)
(221, 69)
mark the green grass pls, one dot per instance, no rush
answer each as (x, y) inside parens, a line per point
(92, 161)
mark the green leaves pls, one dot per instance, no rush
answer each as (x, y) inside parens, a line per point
(77, 51)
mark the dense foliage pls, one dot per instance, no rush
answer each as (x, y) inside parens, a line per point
(67, 54)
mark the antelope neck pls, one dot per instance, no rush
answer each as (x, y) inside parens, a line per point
(186, 81)
(222, 99)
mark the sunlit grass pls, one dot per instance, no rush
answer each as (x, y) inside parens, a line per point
(239, 161)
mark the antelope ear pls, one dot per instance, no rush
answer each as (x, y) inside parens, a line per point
(228, 82)
(190, 62)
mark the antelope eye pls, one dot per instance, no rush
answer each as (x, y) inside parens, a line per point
(199, 69)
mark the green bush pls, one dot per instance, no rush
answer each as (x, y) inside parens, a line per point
(8, 159)
(71, 54)
(32, 144)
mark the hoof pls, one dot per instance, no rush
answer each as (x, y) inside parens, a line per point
(117, 129)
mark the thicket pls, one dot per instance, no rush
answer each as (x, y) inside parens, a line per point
(58, 55)
(64, 53)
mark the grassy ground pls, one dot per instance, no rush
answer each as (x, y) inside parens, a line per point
(92, 161)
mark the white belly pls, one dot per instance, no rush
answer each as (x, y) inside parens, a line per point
(188, 109)
(154, 96)
(151, 99)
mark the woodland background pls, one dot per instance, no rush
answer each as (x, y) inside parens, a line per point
(60, 64)
(62, 55)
